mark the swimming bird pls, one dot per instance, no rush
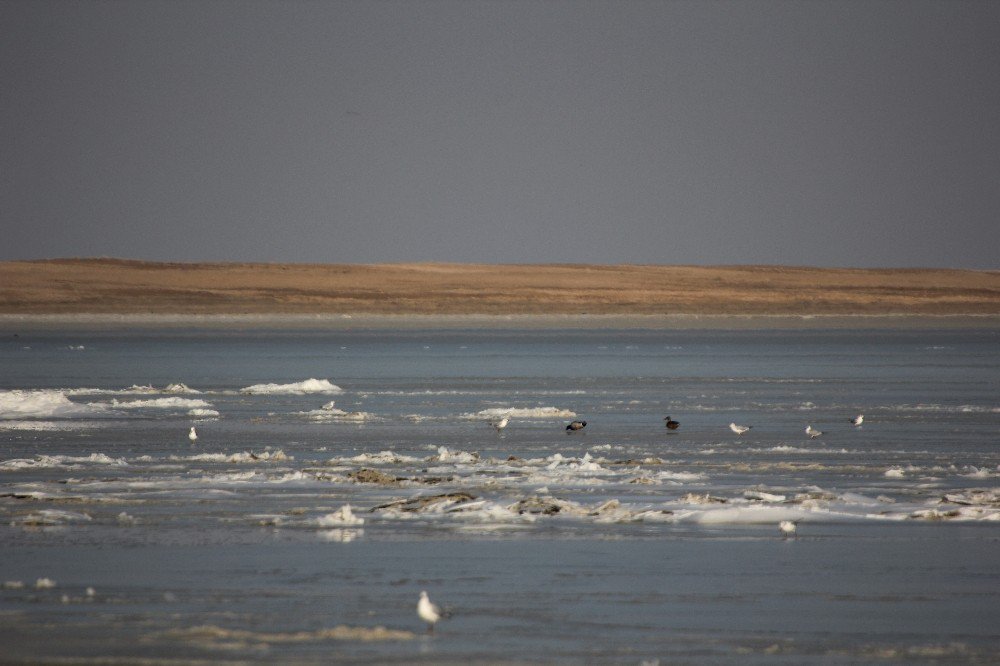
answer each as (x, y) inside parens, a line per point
(428, 611)
(738, 429)
(673, 425)
(858, 420)
(787, 527)
(501, 423)
(192, 435)
(812, 432)
(576, 425)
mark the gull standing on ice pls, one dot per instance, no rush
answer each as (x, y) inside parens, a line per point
(787, 527)
(858, 420)
(428, 611)
(576, 425)
(192, 435)
(812, 432)
(671, 424)
(501, 423)
(738, 429)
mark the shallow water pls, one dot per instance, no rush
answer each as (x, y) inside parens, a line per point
(621, 543)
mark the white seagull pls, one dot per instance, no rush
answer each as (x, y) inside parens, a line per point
(192, 435)
(738, 429)
(428, 611)
(858, 420)
(501, 423)
(812, 432)
(787, 527)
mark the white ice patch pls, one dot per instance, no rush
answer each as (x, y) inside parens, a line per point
(242, 457)
(20, 404)
(203, 413)
(741, 515)
(344, 517)
(461, 457)
(297, 388)
(43, 426)
(762, 496)
(147, 389)
(163, 403)
(380, 458)
(522, 413)
(43, 461)
(50, 517)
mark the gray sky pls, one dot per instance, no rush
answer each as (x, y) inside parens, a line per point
(816, 133)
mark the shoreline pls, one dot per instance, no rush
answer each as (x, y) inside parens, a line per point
(638, 295)
(13, 323)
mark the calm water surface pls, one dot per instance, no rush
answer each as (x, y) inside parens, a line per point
(621, 543)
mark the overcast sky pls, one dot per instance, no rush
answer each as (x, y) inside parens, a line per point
(809, 133)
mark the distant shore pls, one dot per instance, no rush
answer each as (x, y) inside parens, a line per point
(14, 323)
(115, 290)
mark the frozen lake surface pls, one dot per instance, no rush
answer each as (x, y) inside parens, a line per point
(624, 542)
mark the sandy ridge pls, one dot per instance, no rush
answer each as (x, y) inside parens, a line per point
(116, 286)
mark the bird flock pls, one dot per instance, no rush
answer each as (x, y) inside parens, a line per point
(672, 424)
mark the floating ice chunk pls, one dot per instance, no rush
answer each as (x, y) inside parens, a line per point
(975, 497)
(43, 461)
(744, 515)
(163, 403)
(611, 512)
(444, 455)
(762, 496)
(203, 413)
(426, 503)
(547, 506)
(44, 584)
(13, 584)
(680, 476)
(125, 519)
(694, 498)
(522, 413)
(297, 388)
(48, 426)
(50, 517)
(19, 404)
(179, 388)
(342, 518)
(382, 457)
(895, 473)
(243, 457)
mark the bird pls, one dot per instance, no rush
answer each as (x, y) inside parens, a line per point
(787, 527)
(671, 424)
(428, 611)
(576, 425)
(501, 423)
(192, 435)
(738, 429)
(812, 432)
(858, 420)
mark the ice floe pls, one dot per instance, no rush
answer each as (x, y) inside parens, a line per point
(41, 404)
(522, 413)
(344, 517)
(296, 388)
(42, 461)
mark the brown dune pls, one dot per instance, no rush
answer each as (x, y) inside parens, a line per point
(114, 286)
